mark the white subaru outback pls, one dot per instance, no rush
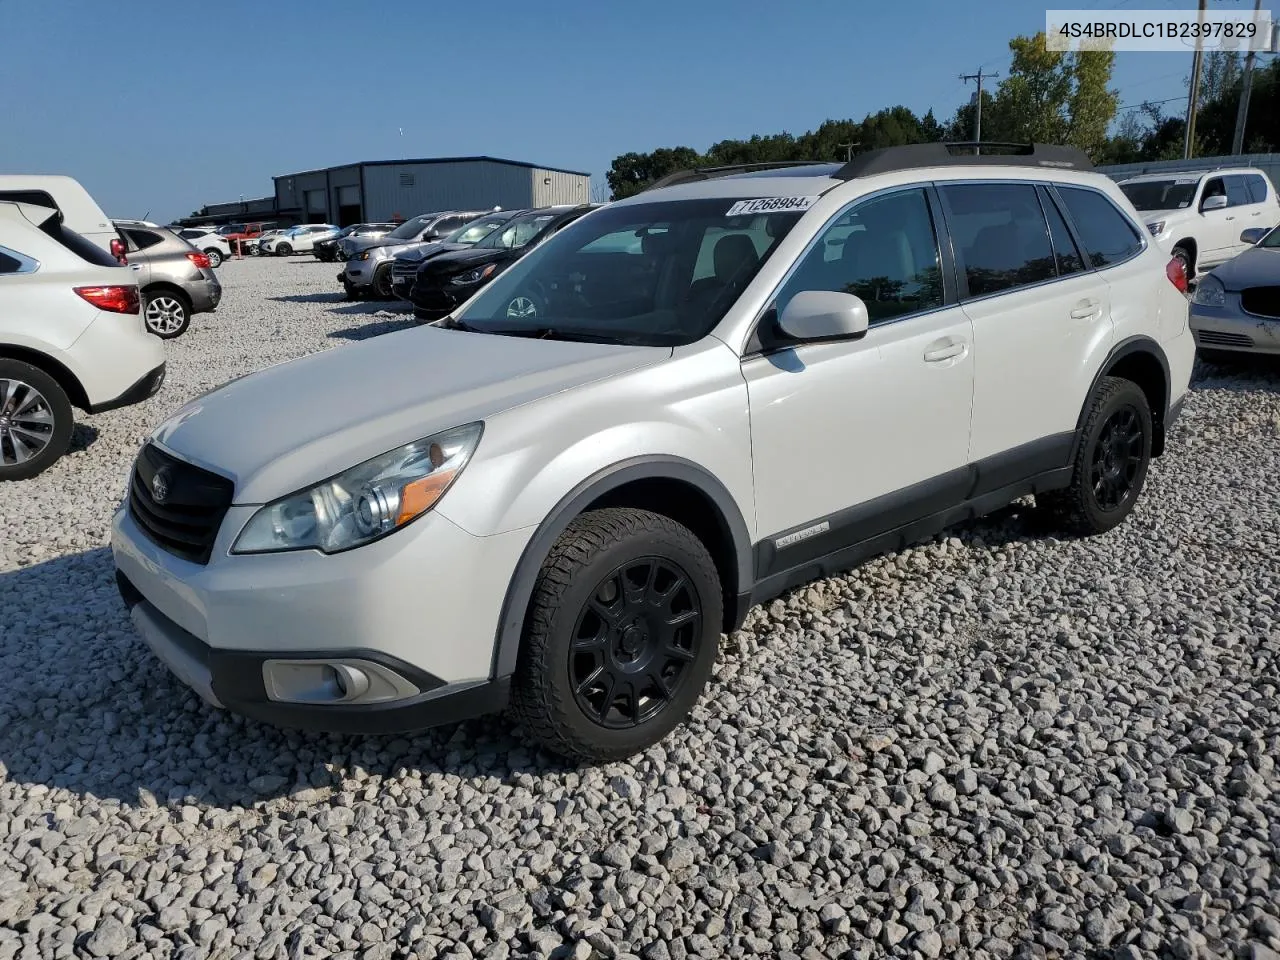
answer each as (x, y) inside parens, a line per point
(559, 497)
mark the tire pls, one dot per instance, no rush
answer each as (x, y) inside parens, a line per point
(215, 257)
(282, 250)
(167, 313)
(351, 292)
(1109, 471)
(1180, 252)
(382, 283)
(559, 690)
(35, 420)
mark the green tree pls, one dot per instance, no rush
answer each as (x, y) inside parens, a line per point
(632, 172)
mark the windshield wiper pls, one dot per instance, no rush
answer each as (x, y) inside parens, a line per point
(558, 333)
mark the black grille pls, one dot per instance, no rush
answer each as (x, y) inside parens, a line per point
(1212, 338)
(185, 520)
(1261, 301)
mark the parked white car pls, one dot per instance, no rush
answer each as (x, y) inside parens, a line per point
(684, 403)
(216, 248)
(299, 239)
(1198, 216)
(71, 334)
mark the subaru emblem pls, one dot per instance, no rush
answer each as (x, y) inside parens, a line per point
(160, 486)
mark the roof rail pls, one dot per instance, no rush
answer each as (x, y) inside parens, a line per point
(708, 173)
(915, 155)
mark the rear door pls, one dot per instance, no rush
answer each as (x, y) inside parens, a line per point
(1039, 316)
(138, 241)
(1240, 212)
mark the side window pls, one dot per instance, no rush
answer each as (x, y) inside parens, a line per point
(1256, 186)
(1237, 192)
(1213, 188)
(13, 262)
(1000, 235)
(144, 238)
(1106, 233)
(888, 256)
(1065, 251)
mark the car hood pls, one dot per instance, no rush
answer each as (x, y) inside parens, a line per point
(1256, 267)
(433, 249)
(448, 263)
(292, 425)
(358, 244)
(1177, 213)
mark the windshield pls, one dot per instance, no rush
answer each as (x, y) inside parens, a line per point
(1172, 194)
(517, 233)
(409, 229)
(1271, 240)
(655, 274)
(476, 230)
(232, 228)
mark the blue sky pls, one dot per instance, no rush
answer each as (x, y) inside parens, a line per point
(159, 107)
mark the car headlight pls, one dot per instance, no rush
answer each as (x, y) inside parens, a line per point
(365, 503)
(359, 256)
(1156, 228)
(1209, 292)
(474, 276)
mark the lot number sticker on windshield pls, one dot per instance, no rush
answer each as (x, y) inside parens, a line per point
(771, 205)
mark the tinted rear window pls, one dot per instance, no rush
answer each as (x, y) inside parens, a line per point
(9, 264)
(144, 238)
(84, 249)
(1257, 187)
(1106, 233)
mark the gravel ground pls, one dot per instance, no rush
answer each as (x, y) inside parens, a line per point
(995, 744)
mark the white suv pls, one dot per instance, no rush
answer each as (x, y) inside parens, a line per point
(71, 334)
(1198, 216)
(683, 404)
(298, 239)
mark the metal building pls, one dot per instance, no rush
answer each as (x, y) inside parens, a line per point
(382, 190)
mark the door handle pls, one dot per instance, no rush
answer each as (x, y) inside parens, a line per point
(1085, 310)
(135, 266)
(1230, 218)
(945, 352)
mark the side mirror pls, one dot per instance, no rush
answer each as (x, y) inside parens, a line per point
(1254, 235)
(1213, 203)
(824, 315)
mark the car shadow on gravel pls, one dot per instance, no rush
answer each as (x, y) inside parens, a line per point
(85, 707)
(336, 296)
(375, 329)
(83, 437)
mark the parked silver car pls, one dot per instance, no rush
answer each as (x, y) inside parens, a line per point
(1236, 306)
(368, 268)
(175, 279)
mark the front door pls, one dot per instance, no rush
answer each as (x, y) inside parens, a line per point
(836, 426)
(1216, 242)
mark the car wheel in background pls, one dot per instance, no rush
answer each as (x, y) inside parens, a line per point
(1183, 254)
(167, 313)
(282, 250)
(621, 636)
(382, 283)
(35, 420)
(215, 257)
(1113, 452)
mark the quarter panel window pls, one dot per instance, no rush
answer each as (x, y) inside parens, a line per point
(1107, 234)
(1000, 235)
(883, 250)
(144, 238)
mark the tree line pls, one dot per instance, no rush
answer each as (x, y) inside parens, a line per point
(1046, 97)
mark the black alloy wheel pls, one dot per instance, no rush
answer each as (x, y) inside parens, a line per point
(1117, 459)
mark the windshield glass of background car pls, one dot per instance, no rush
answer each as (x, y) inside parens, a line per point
(409, 229)
(475, 231)
(1271, 240)
(656, 274)
(1174, 194)
(517, 233)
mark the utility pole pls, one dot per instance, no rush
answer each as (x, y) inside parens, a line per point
(1194, 93)
(1246, 88)
(977, 118)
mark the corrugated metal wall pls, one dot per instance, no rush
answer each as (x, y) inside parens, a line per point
(291, 190)
(556, 186)
(1268, 163)
(341, 177)
(409, 189)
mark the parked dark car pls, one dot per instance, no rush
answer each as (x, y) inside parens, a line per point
(450, 279)
(404, 268)
(330, 250)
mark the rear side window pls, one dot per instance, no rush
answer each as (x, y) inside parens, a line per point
(1065, 251)
(1000, 235)
(1106, 233)
(144, 238)
(84, 249)
(1256, 186)
(1237, 192)
(9, 263)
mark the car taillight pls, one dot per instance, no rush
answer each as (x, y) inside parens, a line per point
(201, 260)
(118, 250)
(1177, 274)
(114, 299)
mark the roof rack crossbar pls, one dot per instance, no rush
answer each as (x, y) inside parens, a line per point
(707, 173)
(916, 155)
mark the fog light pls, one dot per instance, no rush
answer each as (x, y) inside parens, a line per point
(333, 682)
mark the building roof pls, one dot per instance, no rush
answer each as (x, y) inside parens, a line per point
(383, 163)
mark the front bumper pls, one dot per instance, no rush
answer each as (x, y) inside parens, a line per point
(359, 273)
(1228, 327)
(424, 603)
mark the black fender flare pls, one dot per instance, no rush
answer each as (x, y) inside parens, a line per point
(520, 588)
(1125, 348)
